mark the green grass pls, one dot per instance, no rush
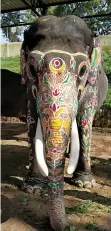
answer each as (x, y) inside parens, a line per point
(89, 207)
(11, 64)
(92, 227)
(81, 208)
(107, 102)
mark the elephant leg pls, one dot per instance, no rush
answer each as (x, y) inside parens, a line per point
(83, 177)
(34, 181)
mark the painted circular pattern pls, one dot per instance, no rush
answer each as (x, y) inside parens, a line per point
(57, 65)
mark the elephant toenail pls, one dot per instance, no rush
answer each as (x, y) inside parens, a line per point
(79, 183)
(93, 183)
(29, 190)
(87, 184)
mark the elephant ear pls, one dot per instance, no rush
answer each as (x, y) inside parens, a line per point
(95, 63)
(23, 61)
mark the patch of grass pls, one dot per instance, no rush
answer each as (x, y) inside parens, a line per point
(109, 209)
(107, 102)
(89, 207)
(11, 64)
(82, 208)
(92, 227)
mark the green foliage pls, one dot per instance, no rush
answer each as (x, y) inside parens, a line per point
(107, 61)
(107, 102)
(16, 17)
(11, 64)
(92, 227)
(82, 9)
(81, 208)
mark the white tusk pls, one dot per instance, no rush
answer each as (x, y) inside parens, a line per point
(75, 146)
(39, 150)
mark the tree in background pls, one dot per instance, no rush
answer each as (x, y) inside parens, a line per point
(82, 9)
(13, 34)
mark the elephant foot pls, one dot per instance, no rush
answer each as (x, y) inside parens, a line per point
(32, 184)
(83, 180)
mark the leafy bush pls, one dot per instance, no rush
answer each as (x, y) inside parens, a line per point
(107, 61)
(11, 64)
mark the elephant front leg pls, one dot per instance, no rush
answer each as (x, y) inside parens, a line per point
(83, 177)
(34, 181)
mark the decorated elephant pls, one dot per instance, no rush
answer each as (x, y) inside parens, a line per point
(66, 84)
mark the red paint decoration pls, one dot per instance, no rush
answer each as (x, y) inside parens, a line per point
(56, 93)
(56, 63)
(54, 107)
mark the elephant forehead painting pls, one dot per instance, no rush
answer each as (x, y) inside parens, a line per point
(61, 64)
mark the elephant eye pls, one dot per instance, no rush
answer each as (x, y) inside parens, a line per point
(33, 72)
(82, 71)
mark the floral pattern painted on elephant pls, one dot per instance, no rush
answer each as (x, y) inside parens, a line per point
(89, 100)
(64, 87)
(56, 87)
(55, 118)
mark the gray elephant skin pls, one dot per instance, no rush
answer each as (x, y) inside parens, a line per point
(66, 84)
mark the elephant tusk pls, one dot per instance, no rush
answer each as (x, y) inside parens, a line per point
(75, 146)
(39, 150)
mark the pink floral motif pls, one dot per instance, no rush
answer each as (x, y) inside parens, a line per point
(84, 122)
(71, 62)
(93, 103)
(54, 108)
(75, 76)
(56, 93)
(38, 75)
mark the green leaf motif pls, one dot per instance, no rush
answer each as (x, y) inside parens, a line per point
(67, 78)
(60, 99)
(55, 185)
(49, 98)
(45, 80)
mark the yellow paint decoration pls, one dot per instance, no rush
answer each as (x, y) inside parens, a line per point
(80, 87)
(55, 70)
(55, 123)
(60, 111)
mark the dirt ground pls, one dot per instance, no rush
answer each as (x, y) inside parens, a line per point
(87, 210)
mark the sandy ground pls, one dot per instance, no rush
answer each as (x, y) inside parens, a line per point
(87, 210)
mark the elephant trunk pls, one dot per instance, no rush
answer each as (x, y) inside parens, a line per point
(56, 142)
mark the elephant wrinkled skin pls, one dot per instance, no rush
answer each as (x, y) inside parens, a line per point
(61, 66)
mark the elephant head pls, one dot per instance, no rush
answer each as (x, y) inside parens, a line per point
(58, 65)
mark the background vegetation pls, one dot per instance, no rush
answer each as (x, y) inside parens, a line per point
(101, 24)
